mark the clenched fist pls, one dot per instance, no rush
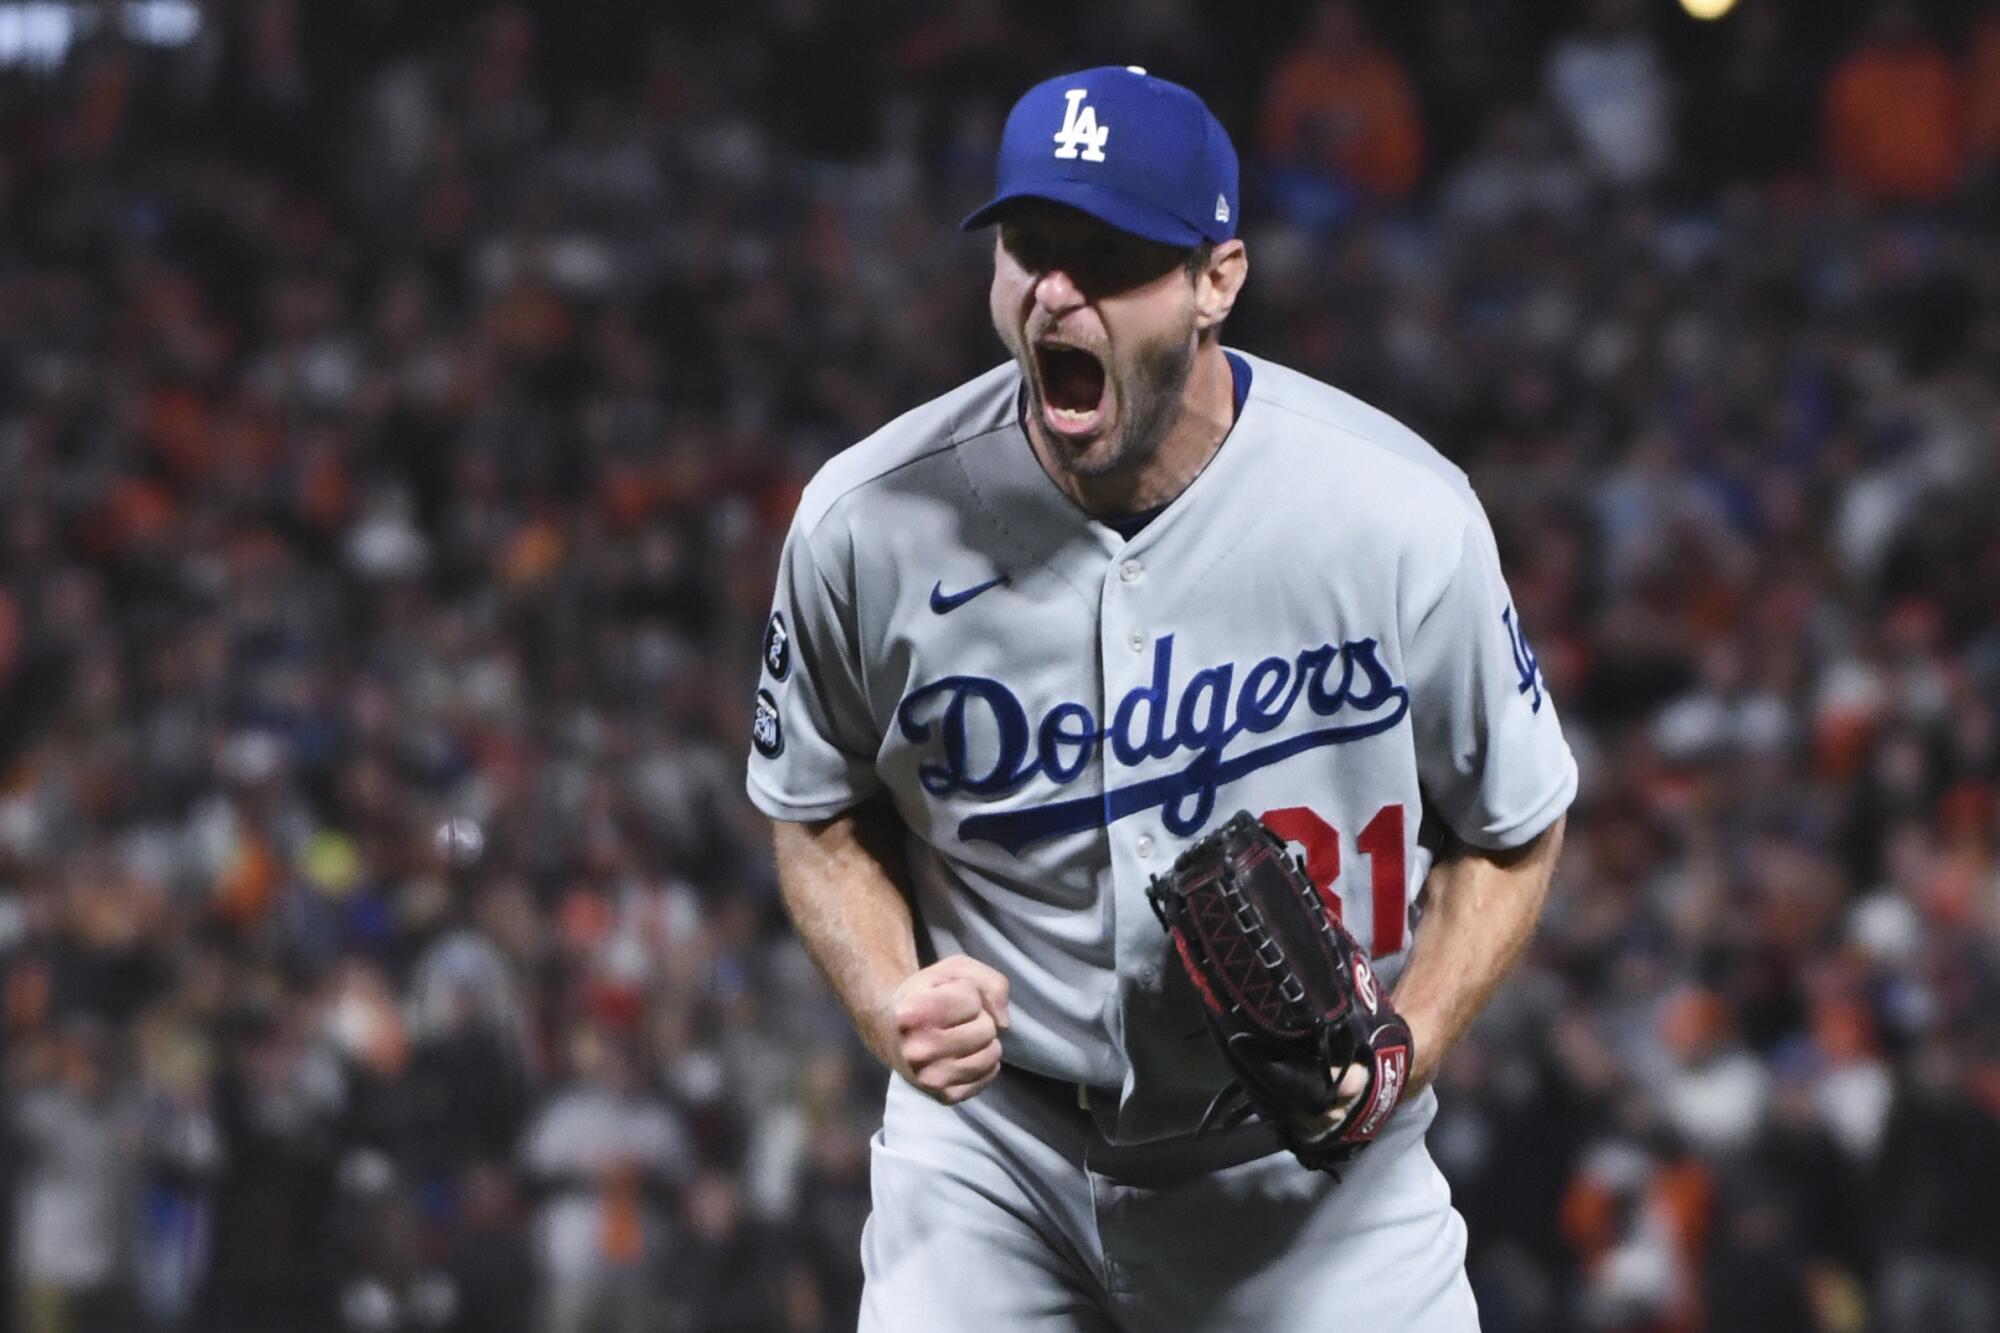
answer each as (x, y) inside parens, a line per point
(944, 1026)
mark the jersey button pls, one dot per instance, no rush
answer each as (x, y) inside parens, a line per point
(1144, 846)
(1131, 571)
(1136, 642)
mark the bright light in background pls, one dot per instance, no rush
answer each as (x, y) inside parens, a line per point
(162, 22)
(1707, 9)
(38, 34)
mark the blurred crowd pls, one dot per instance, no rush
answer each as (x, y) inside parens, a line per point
(400, 408)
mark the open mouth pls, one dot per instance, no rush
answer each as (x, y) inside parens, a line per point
(1073, 388)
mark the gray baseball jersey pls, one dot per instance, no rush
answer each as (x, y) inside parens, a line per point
(1316, 631)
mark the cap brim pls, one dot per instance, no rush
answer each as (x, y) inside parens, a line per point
(1112, 207)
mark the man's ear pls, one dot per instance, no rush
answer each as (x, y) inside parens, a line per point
(1216, 285)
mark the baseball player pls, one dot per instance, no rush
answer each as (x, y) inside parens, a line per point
(1033, 638)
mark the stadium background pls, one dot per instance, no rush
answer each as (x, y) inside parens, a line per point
(400, 407)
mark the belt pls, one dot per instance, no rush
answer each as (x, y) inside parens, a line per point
(1149, 1163)
(1077, 1097)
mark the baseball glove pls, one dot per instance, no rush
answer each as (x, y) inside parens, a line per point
(1287, 993)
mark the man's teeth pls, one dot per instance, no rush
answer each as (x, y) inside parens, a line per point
(1075, 413)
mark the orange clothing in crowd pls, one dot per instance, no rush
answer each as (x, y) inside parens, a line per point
(1354, 111)
(1895, 123)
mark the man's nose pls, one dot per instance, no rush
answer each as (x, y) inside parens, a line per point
(1057, 292)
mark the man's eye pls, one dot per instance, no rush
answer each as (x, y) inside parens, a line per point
(1027, 251)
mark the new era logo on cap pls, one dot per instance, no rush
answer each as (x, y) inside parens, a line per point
(1137, 152)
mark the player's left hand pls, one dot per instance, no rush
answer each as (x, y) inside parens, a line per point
(1295, 1008)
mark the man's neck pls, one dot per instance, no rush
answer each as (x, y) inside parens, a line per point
(1207, 410)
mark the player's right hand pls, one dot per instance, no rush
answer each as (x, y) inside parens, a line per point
(945, 1025)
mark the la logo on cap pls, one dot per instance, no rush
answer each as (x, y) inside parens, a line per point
(1080, 134)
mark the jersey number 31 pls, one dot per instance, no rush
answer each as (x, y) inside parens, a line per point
(1381, 841)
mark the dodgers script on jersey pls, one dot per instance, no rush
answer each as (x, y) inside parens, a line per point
(1316, 630)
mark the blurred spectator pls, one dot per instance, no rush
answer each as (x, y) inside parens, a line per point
(491, 1266)
(1895, 117)
(817, 47)
(1851, 1088)
(1608, 83)
(1749, 115)
(602, 1153)
(1932, 1200)
(1155, 34)
(783, 1134)
(731, 1276)
(1757, 1278)
(1514, 173)
(1469, 65)
(1507, 1141)
(1819, 1188)
(1340, 115)
(180, 1160)
(1712, 1092)
(832, 1208)
(72, 1193)
(278, 1100)
(392, 1289)
(1637, 1219)
(1983, 83)
(470, 1069)
(1982, 87)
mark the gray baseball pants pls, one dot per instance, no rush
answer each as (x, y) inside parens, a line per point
(1013, 1212)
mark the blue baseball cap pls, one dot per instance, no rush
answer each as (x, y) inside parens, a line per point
(1142, 154)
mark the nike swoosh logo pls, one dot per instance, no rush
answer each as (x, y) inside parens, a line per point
(942, 601)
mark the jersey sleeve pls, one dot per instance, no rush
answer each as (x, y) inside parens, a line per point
(813, 740)
(1490, 753)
